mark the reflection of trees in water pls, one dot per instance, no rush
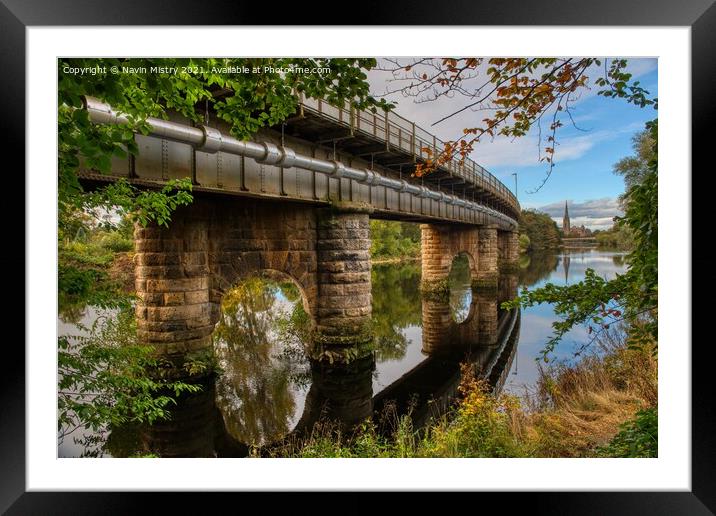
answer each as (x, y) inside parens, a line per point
(618, 260)
(524, 260)
(459, 284)
(72, 312)
(540, 266)
(253, 391)
(396, 305)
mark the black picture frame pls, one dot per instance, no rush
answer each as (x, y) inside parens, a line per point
(17, 15)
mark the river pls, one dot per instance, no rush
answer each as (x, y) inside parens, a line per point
(267, 388)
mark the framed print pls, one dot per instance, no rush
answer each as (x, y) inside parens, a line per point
(270, 250)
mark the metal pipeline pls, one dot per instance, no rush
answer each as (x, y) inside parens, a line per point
(210, 140)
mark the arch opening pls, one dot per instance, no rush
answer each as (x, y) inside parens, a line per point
(260, 342)
(460, 287)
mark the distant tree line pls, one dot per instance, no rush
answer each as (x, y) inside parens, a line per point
(391, 239)
(616, 237)
(538, 231)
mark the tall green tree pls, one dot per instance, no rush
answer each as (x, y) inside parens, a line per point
(391, 239)
(634, 169)
(541, 230)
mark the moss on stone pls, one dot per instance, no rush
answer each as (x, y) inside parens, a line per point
(351, 207)
(435, 290)
(509, 267)
(483, 284)
(343, 348)
(342, 353)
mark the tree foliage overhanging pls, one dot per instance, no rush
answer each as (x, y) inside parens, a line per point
(515, 93)
(196, 88)
(631, 297)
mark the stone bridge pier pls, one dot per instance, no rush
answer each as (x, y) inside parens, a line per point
(443, 336)
(488, 249)
(508, 251)
(183, 271)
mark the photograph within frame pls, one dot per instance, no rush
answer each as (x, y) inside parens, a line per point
(706, 69)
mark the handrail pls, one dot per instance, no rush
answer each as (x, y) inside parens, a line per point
(418, 139)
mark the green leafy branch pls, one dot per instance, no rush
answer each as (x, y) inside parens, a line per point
(106, 380)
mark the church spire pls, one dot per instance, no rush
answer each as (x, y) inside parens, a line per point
(565, 221)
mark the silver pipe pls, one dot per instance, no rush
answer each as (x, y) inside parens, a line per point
(210, 140)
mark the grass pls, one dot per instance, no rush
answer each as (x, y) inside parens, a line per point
(602, 406)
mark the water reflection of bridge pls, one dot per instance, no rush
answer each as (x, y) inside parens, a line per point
(486, 339)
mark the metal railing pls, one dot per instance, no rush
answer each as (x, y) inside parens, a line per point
(401, 133)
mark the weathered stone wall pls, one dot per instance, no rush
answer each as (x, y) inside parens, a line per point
(487, 263)
(249, 237)
(172, 283)
(439, 246)
(183, 271)
(509, 251)
(344, 286)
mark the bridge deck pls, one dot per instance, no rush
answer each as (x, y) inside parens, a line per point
(298, 163)
(397, 144)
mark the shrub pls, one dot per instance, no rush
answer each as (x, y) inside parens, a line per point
(638, 437)
(115, 242)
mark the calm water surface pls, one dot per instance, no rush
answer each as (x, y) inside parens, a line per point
(268, 388)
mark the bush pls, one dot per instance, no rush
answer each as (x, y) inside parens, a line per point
(524, 242)
(116, 242)
(75, 282)
(638, 437)
(616, 237)
(106, 379)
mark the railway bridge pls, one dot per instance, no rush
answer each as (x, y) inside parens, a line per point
(296, 201)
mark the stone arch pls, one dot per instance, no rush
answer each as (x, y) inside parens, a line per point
(472, 258)
(253, 237)
(244, 265)
(439, 246)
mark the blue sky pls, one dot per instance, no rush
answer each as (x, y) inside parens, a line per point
(584, 159)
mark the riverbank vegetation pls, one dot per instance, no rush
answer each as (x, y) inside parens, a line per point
(538, 232)
(616, 237)
(393, 241)
(94, 263)
(604, 405)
